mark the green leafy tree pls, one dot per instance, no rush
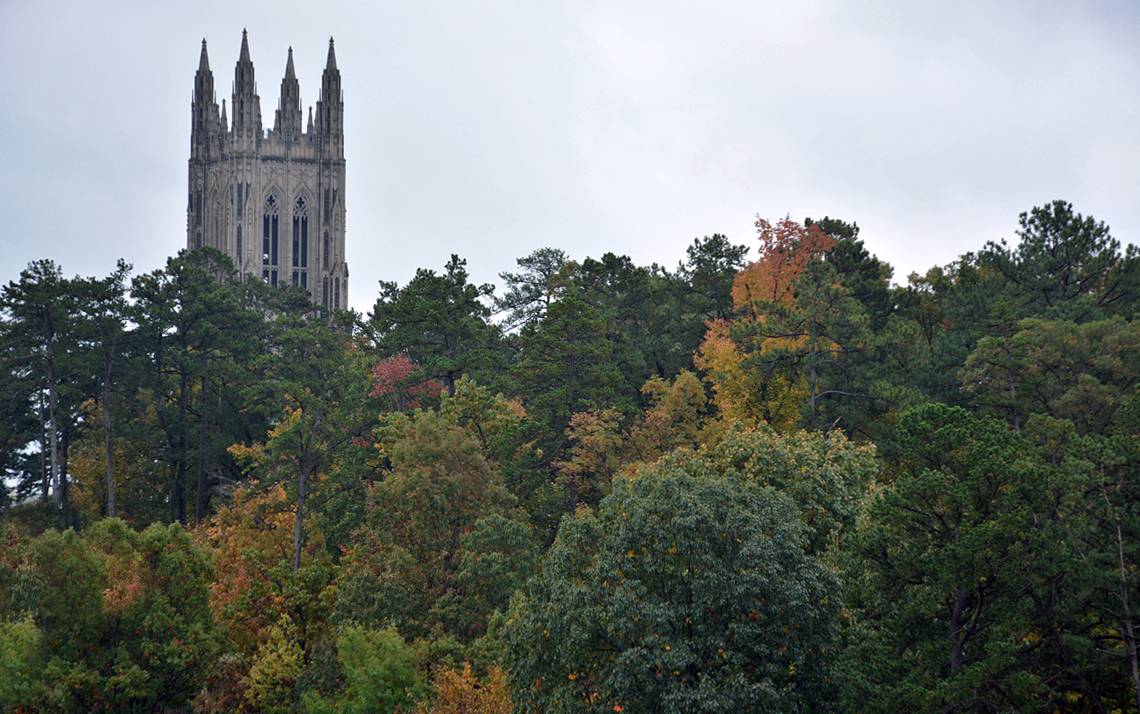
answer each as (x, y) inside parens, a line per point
(123, 619)
(406, 555)
(710, 265)
(380, 674)
(1079, 372)
(440, 322)
(679, 594)
(497, 556)
(20, 663)
(677, 416)
(1066, 265)
(543, 277)
(271, 685)
(965, 574)
(190, 319)
(39, 333)
(826, 475)
(649, 328)
(565, 365)
(103, 310)
(321, 383)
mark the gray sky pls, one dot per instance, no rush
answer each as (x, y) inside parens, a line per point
(490, 129)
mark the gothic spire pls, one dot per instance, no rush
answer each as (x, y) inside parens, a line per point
(203, 79)
(204, 59)
(203, 110)
(245, 103)
(225, 119)
(244, 57)
(330, 108)
(287, 124)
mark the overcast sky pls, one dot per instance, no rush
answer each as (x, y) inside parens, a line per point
(490, 129)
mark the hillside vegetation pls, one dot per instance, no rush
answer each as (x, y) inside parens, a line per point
(797, 483)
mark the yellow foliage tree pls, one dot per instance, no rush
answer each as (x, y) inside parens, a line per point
(675, 417)
(736, 390)
(594, 456)
(763, 294)
(459, 691)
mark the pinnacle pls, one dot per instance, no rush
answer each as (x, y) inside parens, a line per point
(204, 60)
(331, 64)
(289, 73)
(244, 47)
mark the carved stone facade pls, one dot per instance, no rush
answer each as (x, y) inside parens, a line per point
(271, 200)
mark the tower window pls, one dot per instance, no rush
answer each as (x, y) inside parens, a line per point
(300, 241)
(269, 236)
(304, 241)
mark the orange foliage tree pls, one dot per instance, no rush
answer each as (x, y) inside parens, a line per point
(786, 249)
(751, 360)
(252, 539)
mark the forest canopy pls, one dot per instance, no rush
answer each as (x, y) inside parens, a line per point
(773, 477)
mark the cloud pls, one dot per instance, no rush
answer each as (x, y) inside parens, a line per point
(492, 129)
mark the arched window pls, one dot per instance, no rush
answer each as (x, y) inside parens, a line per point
(336, 294)
(240, 248)
(269, 241)
(326, 259)
(301, 242)
(325, 293)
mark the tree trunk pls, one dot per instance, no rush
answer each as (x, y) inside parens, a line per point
(1130, 640)
(178, 487)
(200, 494)
(53, 436)
(299, 519)
(1126, 608)
(957, 624)
(45, 477)
(65, 497)
(108, 442)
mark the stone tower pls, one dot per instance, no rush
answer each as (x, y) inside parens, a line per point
(271, 200)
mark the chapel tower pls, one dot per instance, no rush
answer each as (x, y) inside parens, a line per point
(272, 200)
